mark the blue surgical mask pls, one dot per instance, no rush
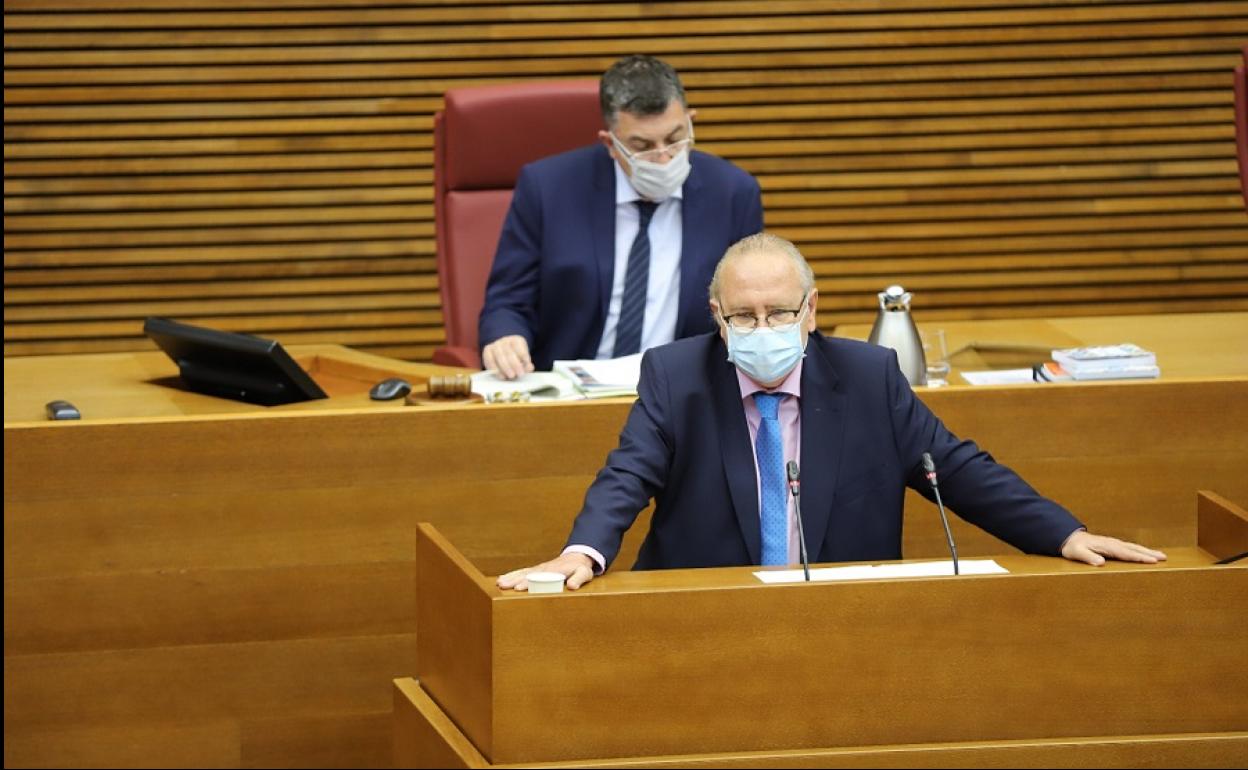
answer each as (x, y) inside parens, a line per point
(766, 355)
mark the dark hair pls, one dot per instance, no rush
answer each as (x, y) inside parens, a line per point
(639, 84)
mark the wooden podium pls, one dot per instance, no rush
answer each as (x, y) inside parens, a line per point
(1054, 664)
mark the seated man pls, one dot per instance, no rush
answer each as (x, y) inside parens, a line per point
(718, 416)
(606, 250)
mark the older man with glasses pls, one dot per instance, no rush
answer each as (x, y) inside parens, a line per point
(607, 249)
(719, 416)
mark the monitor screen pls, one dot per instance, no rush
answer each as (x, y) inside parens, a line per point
(231, 365)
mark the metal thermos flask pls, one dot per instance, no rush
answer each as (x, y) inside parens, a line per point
(894, 328)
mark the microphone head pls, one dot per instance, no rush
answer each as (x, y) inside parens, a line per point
(791, 467)
(928, 465)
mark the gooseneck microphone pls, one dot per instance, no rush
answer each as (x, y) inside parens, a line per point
(795, 487)
(929, 468)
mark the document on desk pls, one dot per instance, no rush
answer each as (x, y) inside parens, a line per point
(882, 571)
(1000, 377)
(603, 378)
(534, 386)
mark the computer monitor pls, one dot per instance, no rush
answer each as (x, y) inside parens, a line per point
(230, 365)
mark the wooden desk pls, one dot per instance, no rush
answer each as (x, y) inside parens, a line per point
(1188, 345)
(144, 385)
(181, 574)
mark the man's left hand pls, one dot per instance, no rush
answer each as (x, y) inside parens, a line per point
(1095, 549)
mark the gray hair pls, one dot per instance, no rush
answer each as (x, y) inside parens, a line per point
(639, 84)
(765, 242)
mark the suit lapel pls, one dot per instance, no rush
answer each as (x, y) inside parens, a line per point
(693, 213)
(823, 428)
(602, 229)
(737, 451)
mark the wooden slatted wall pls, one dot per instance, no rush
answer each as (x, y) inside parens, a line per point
(265, 165)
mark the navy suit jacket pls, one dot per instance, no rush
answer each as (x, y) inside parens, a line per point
(551, 279)
(687, 445)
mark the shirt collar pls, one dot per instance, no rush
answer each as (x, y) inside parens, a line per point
(790, 385)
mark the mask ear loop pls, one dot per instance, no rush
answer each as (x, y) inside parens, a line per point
(632, 164)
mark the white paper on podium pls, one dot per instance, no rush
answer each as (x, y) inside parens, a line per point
(881, 571)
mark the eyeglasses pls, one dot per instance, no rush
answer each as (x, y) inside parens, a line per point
(654, 155)
(775, 319)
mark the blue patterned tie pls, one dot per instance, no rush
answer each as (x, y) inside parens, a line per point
(633, 306)
(769, 451)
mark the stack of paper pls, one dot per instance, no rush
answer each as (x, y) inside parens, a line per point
(1108, 362)
(600, 379)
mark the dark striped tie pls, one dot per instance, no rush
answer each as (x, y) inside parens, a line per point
(633, 307)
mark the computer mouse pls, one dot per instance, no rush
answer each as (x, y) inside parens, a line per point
(62, 410)
(388, 389)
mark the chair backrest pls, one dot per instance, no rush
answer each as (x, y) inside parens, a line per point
(481, 139)
(1241, 124)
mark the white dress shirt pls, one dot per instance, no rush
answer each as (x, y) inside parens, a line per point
(663, 288)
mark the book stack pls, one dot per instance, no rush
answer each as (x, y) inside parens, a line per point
(1108, 362)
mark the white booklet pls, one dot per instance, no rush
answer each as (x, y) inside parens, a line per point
(1104, 357)
(1118, 373)
(603, 378)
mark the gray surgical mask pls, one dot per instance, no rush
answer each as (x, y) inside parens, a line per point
(658, 181)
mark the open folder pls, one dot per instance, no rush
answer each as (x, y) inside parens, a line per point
(603, 378)
(534, 386)
(567, 381)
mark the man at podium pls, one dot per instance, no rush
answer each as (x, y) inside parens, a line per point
(719, 417)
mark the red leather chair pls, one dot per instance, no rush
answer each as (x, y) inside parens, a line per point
(480, 141)
(1241, 124)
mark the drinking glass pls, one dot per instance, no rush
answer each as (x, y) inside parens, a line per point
(936, 353)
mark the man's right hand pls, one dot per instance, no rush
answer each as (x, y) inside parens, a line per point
(509, 356)
(578, 568)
